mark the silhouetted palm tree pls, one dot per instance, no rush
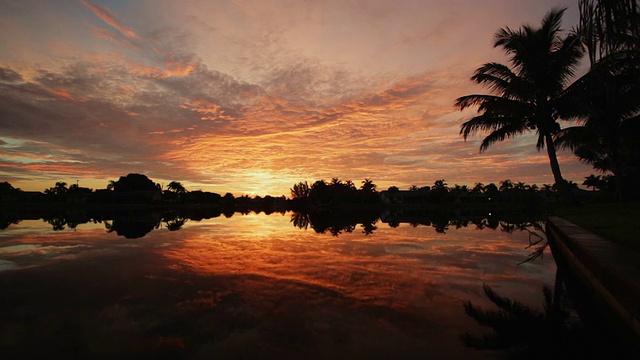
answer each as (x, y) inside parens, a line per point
(176, 187)
(440, 184)
(593, 181)
(505, 185)
(368, 185)
(350, 185)
(526, 97)
(478, 188)
(300, 190)
(521, 186)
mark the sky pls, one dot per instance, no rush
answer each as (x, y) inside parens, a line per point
(251, 97)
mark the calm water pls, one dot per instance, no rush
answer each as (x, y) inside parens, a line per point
(255, 286)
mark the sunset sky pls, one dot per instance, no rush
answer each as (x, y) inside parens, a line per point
(250, 97)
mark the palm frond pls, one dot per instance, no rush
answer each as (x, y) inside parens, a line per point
(571, 138)
(501, 134)
(490, 123)
(464, 102)
(495, 76)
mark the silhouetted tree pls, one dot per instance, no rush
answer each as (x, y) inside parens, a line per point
(135, 182)
(58, 192)
(6, 187)
(300, 190)
(527, 94)
(491, 189)
(478, 188)
(505, 185)
(592, 181)
(176, 187)
(606, 100)
(368, 185)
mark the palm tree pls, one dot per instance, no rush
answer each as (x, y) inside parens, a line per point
(368, 185)
(526, 95)
(300, 190)
(593, 182)
(505, 185)
(521, 186)
(176, 187)
(440, 184)
(478, 188)
(350, 184)
(61, 187)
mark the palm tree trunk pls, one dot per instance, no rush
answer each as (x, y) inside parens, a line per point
(555, 169)
(553, 160)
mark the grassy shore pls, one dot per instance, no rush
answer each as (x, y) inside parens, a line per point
(616, 221)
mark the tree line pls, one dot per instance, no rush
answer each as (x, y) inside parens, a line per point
(138, 189)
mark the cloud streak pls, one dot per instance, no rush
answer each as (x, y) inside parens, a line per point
(106, 16)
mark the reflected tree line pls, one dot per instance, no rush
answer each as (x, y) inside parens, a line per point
(137, 222)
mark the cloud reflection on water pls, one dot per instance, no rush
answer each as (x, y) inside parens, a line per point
(403, 285)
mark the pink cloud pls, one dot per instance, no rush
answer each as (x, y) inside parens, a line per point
(106, 16)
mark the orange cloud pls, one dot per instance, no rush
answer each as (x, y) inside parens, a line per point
(172, 69)
(65, 95)
(178, 68)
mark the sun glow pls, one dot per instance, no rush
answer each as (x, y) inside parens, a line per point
(266, 182)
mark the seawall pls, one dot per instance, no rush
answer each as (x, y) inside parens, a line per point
(609, 270)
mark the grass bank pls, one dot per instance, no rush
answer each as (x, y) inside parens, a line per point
(616, 221)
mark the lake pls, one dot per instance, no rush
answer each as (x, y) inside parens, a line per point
(259, 286)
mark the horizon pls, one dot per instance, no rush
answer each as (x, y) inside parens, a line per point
(251, 98)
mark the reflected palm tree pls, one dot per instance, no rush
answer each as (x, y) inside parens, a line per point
(300, 220)
(525, 332)
(335, 223)
(57, 223)
(175, 223)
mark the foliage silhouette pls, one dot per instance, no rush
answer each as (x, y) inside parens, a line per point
(135, 182)
(527, 94)
(606, 100)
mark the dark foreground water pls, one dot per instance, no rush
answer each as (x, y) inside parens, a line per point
(257, 287)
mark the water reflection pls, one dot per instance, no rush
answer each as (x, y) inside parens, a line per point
(524, 331)
(257, 286)
(336, 222)
(553, 330)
